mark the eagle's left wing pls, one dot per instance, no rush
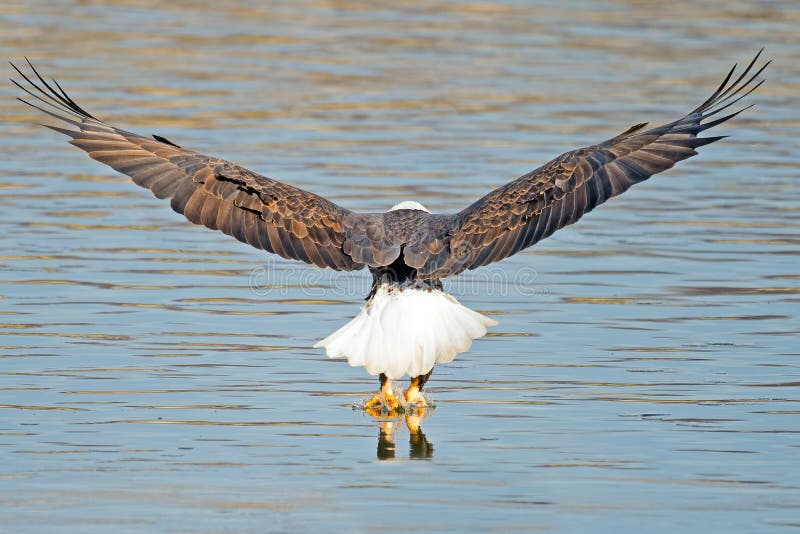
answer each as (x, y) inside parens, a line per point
(517, 215)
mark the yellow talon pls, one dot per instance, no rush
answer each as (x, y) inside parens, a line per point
(384, 397)
(391, 401)
(414, 394)
(374, 402)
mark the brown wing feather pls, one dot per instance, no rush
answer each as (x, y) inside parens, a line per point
(212, 192)
(297, 224)
(527, 210)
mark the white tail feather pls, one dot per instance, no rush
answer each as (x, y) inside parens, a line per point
(406, 332)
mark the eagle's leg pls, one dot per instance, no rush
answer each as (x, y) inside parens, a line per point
(414, 392)
(384, 396)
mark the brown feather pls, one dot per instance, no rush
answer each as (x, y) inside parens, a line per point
(211, 191)
(298, 224)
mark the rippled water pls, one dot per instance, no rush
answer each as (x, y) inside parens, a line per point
(158, 376)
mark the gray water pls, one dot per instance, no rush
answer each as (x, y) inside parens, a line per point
(156, 376)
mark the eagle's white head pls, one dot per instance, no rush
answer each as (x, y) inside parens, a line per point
(409, 205)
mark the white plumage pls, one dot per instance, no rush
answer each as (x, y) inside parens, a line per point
(406, 331)
(409, 205)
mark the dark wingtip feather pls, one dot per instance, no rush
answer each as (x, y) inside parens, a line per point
(719, 90)
(713, 123)
(703, 141)
(47, 94)
(54, 115)
(734, 101)
(728, 90)
(72, 102)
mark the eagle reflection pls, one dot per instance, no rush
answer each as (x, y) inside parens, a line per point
(419, 448)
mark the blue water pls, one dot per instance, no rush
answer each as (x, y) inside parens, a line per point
(156, 376)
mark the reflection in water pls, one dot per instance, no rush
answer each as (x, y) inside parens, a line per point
(419, 446)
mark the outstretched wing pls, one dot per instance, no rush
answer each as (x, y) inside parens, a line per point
(220, 195)
(560, 192)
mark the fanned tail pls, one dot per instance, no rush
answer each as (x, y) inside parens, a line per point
(406, 332)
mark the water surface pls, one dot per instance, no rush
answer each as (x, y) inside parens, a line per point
(157, 376)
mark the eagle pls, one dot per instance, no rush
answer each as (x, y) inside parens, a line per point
(409, 323)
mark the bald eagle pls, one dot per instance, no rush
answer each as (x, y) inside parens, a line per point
(409, 324)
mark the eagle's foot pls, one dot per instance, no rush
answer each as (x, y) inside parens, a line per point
(414, 396)
(414, 392)
(384, 398)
